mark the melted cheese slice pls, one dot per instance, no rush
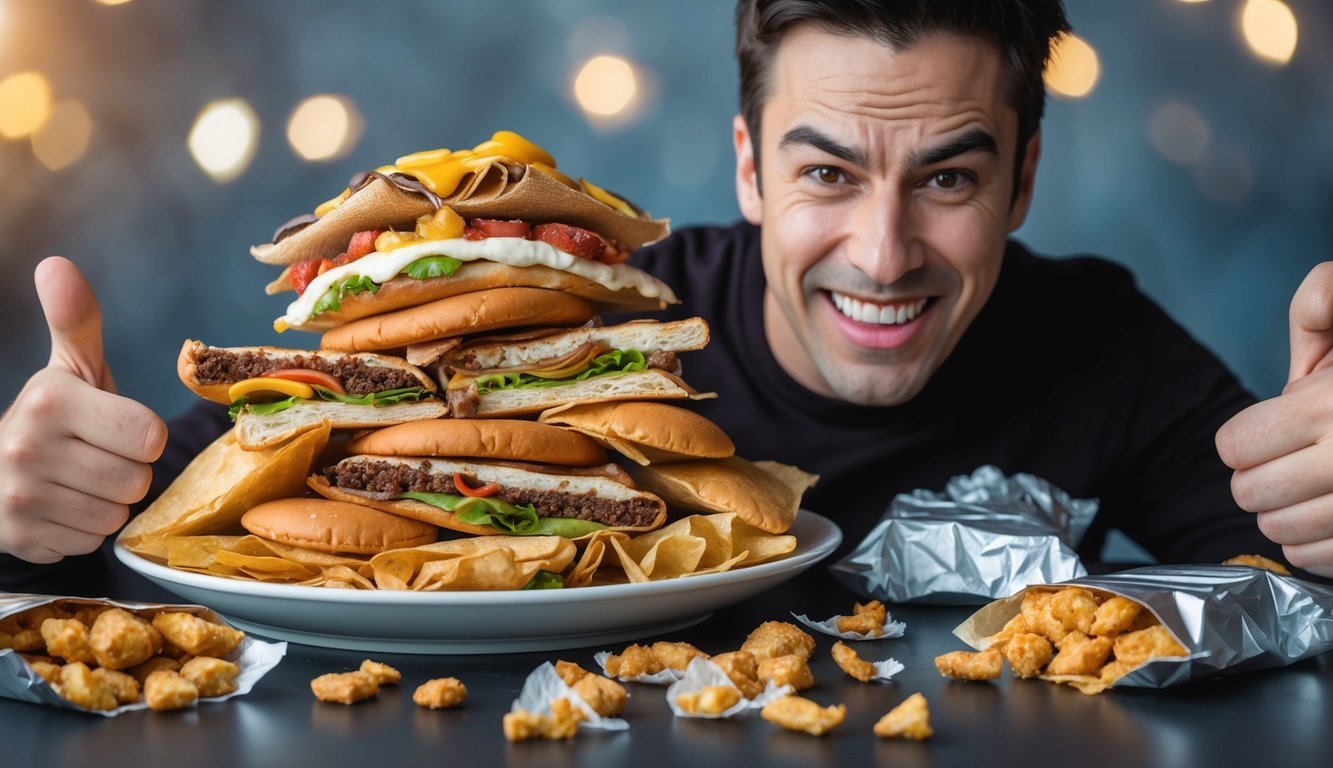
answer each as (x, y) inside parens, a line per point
(284, 387)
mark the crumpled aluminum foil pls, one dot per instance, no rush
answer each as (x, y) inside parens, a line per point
(17, 680)
(1230, 618)
(985, 537)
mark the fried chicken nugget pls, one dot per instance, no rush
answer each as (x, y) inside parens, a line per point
(196, 636)
(142, 671)
(1114, 670)
(570, 672)
(440, 693)
(1028, 653)
(778, 638)
(606, 697)
(676, 656)
(68, 639)
(123, 687)
(1036, 613)
(1258, 561)
(1075, 608)
(6, 640)
(344, 687)
(79, 687)
(166, 690)
(743, 670)
(27, 641)
(851, 663)
(1080, 655)
(908, 720)
(790, 670)
(970, 665)
(1115, 616)
(87, 614)
(120, 640)
(633, 661)
(709, 700)
(383, 673)
(47, 670)
(33, 617)
(866, 619)
(1151, 643)
(797, 714)
(211, 675)
(562, 723)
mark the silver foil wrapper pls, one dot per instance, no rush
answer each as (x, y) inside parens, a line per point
(984, 537)
(1229, 618)
(18, 681)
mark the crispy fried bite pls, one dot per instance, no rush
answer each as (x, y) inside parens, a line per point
(47, 670)
(1080, 655)
(27, 641)
(383, 673)
(676, 656)
(969, 665)
(908, 720)
(87, 614)
(122, 686)
(1258, 561)
(211, 675)
(142, 671)
(344, 687)
(1115, 616)
(197, 636)
(633, 661)
(866, 619)
(851, 663)
(570, 672)
(166, 690)
(80, 687)
(743, 670)
(1075, 609)
(440, 693)
(709, 700)
(790, 670)
(797, 714)
(562, 723)
(1036, 613)
(778, 638)
(606, 697)
(1151, 643)
(68, 639)
(120, 640)
(1028, 654)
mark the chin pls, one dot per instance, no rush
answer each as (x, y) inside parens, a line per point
(869, 388)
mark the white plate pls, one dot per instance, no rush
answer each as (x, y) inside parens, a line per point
(485, 622)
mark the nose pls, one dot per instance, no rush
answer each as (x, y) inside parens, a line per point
(883, 244)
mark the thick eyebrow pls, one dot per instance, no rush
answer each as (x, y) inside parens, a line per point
(975, 139)
(804, 135)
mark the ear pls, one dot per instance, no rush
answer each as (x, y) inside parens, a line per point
(747, 177)
(1018, 212)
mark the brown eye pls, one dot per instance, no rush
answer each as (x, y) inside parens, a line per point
(946, 179)
(825, 174)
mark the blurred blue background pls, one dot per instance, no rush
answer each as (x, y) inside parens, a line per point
(1202, 166)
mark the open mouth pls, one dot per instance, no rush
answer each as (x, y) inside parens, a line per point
(893, 313)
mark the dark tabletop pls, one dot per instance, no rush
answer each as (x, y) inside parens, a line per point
(1282, 717)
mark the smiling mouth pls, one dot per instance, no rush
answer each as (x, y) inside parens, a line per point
(895, 313)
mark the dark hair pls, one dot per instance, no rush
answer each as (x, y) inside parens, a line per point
(1023, 29)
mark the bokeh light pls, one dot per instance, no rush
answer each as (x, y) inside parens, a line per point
(1270, 30)
(112, 2)
(25, 103)
(1224, 176)
(64, 138)
(324, 127)
(606, 86)
(224, 138)
(1179, 132)
(1074, 68)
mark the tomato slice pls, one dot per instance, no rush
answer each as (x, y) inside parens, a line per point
(303, 272)
(308, 376)
(472, 233)
(575, 241)
(362, 244)
(502, 228)
(480, 492)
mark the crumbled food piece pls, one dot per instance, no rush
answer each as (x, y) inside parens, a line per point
(6, 640)
(440, 693)
(1088, 685)
(908, 720)
(633, 661)
(27, 641)
(866, 619)
(120, 640)
(47, 670)
(851, 663)
(212, 676)
(797, 714)
(1028, 654)
(1258, 561)
(741, 667)
(778, 638)
(709, 700)
(570, 672)
(790, 670)
(123, 687)
(1115, 616)
(79, 687)
(147, 668)
(1080, 655)
(1036, 613)
(1074, 608)
(606, 697)
(166, 690)
(344, 687)
(562, 723)
(87, 614)
(969, 665)
(1114, 670)
(676, 656)
(383, 673)
(196, 636)
(33, 617)
(68, 639)
(1018, 625)
(1151, 643)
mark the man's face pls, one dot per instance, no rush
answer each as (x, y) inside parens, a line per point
(887, 196)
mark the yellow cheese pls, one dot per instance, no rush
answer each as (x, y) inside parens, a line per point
(262, 384)
(281, 325)
(606, 198)
(444, 224)
(388, 241)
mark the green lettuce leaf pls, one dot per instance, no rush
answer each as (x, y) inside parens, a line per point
(332, 300)
(260, 409)
(432, 266)
(545, 580)
(505, 517)
(616, 361)
(379, 399)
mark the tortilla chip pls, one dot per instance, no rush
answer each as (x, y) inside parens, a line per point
(696, 545)
(469, 563)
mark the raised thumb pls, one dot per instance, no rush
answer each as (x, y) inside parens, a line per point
(75, 321)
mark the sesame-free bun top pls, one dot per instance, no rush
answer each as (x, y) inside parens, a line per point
(498, 439)
(647, 432)
(765, 494)
(335, 526)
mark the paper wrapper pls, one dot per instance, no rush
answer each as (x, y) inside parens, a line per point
(986, 536)
(702, 673)
(888, 630)
(544, 686)
(18, 681)
(1230, 619)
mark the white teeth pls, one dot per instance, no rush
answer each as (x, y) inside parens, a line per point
(878, 314)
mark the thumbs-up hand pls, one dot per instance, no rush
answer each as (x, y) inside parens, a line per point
(1282, 449)
(73, 454)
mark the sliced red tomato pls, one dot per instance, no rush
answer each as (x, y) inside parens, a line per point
(480, 492)
(573, 240)
(613, 254)
(308, 376)
(471, 233)
(305, 271)
(338, 261)
(502, 228)
(362, 244)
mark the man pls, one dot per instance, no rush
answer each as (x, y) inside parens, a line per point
(872, 321)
